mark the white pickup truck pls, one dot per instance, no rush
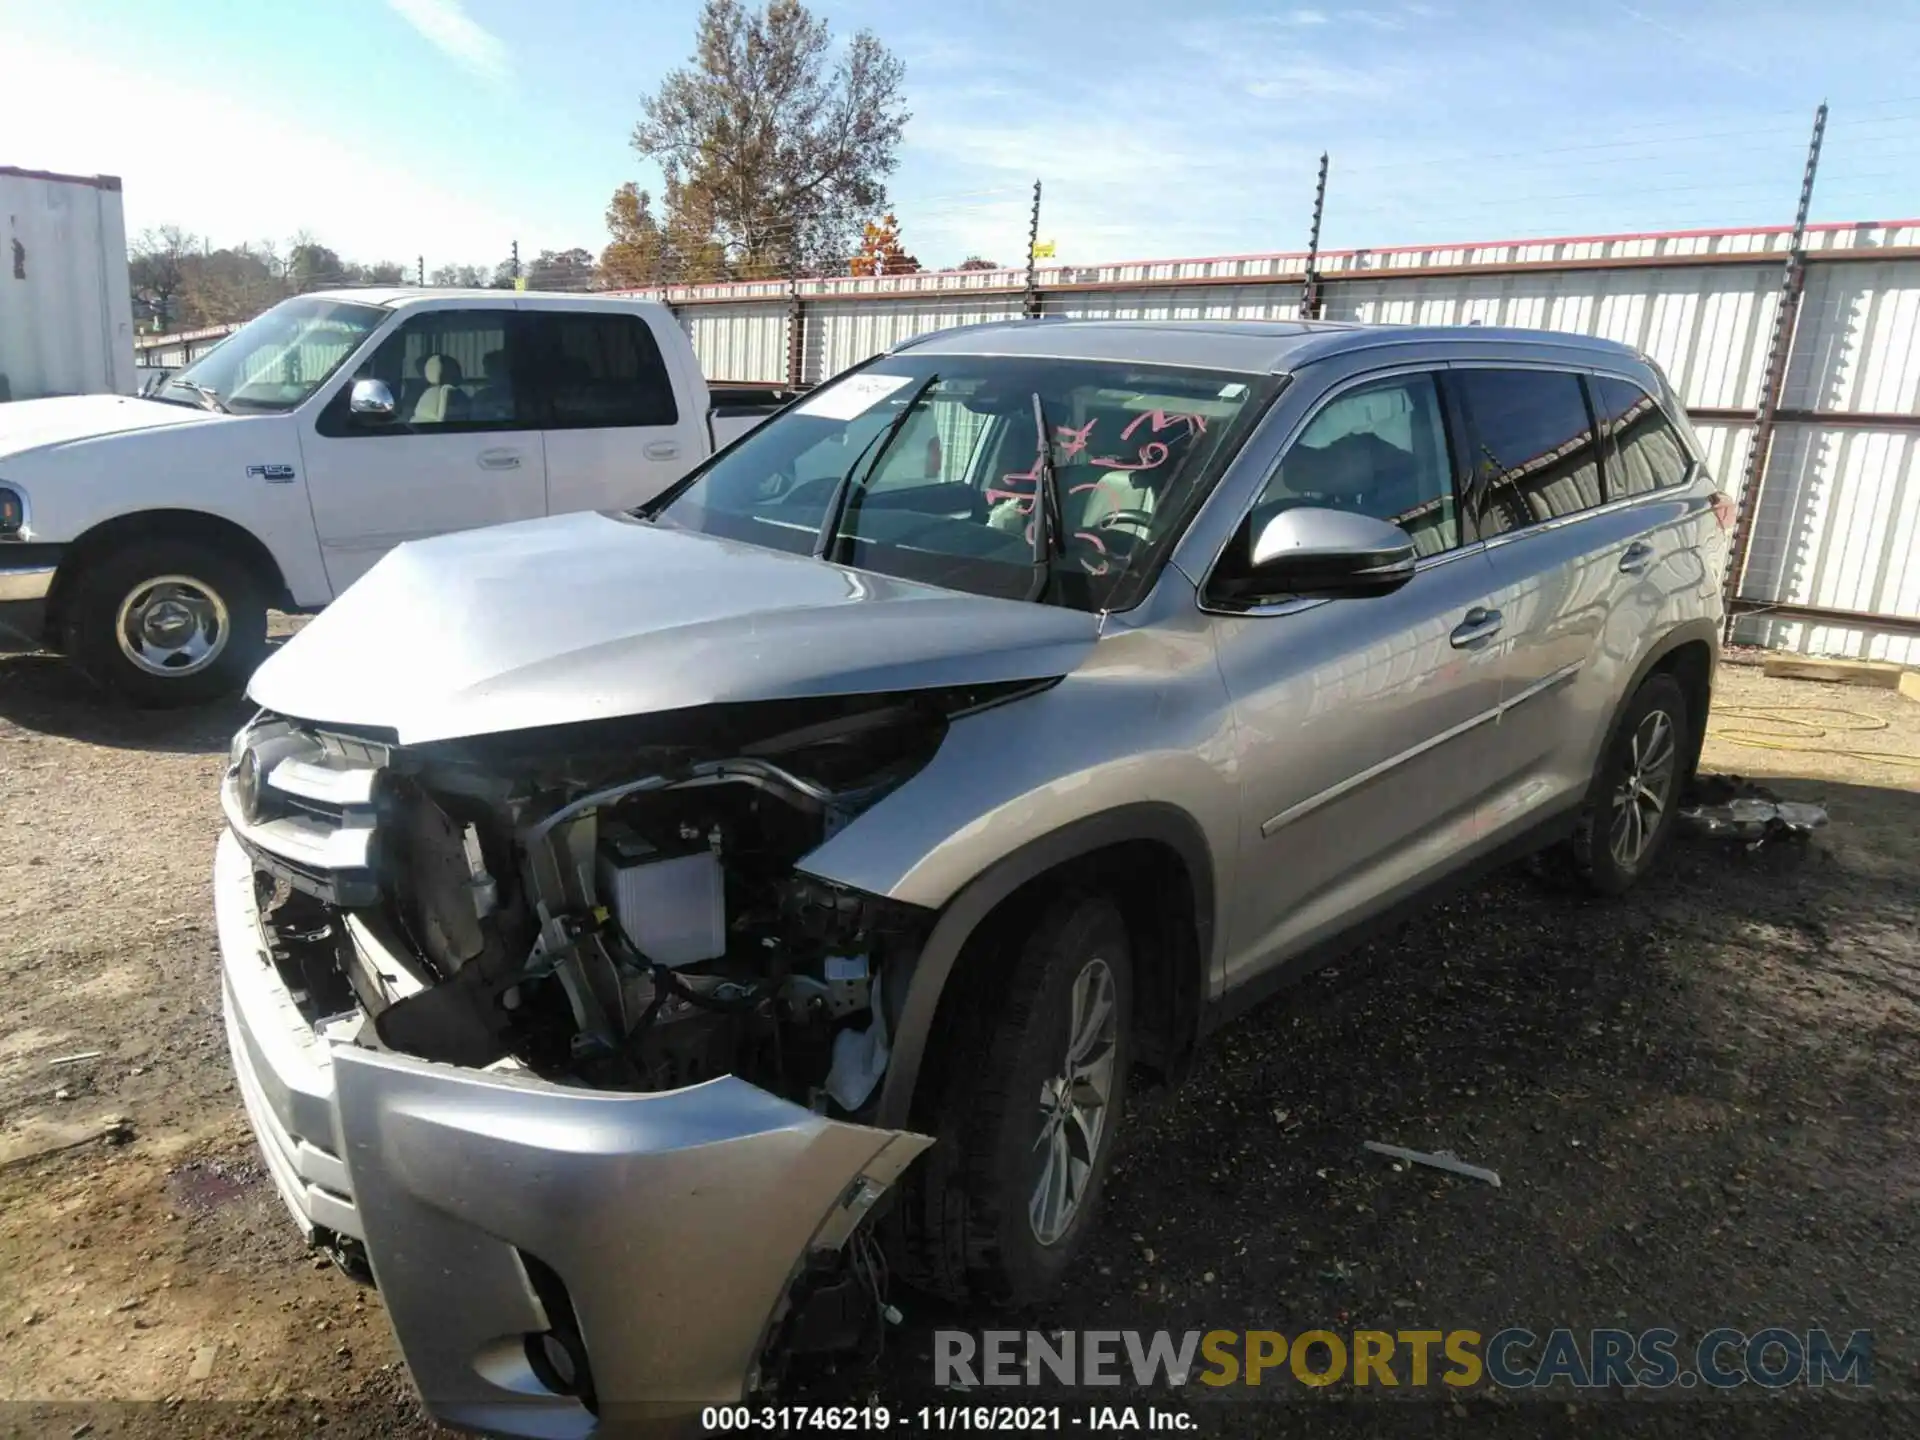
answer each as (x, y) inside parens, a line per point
(148, 537)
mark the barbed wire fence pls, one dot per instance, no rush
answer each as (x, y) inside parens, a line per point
(1448, 197)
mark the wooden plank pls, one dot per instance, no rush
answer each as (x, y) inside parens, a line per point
(1875, 674)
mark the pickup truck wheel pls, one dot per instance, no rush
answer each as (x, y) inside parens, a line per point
(1035, 1083)
(168, 623)
(1636, 791)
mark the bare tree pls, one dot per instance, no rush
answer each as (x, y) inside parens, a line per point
(770, 148)
(156, 272)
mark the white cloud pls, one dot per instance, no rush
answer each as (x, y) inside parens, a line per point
(178, 146)
(445, 25)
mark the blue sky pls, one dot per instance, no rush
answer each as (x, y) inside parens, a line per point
(449, 128)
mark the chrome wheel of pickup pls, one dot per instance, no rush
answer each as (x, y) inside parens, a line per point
(172, 626)
(1073, 1105)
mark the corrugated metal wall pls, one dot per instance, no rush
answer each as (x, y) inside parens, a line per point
(1838, 526)
(842, 332)
(740, 342)
(66, 314)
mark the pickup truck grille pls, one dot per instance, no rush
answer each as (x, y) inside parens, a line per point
(305, 806)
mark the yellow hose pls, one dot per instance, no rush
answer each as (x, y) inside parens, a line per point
(1808, 737)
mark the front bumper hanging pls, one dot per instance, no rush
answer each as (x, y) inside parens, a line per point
(649, 1238)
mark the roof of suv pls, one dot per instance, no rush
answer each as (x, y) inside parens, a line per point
(1243, 345)
(394, 297)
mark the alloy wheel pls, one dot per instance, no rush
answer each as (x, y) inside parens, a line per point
(1641, 799)
(1074, 1105)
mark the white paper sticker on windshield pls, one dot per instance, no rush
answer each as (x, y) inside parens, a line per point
(852, 396)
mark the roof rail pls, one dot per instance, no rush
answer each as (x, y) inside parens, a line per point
(912, 340)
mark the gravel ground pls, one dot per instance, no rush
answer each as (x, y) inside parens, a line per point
(1701, 1101)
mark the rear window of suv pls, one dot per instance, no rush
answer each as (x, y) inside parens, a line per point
(1644, 452)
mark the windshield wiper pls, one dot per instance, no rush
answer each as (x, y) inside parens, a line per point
(209, 397)
(1049, 538)
(827, 540)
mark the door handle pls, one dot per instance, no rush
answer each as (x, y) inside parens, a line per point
(1479, 624)
(1636, 557)
(499, 459)
(661, 450)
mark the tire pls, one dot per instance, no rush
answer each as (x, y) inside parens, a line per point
(205, 624)
(1655, 723)
(969, 1227)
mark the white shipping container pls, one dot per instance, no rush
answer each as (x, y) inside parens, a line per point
(66, 315)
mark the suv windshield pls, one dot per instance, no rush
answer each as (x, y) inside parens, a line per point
(948, 495)
(278, 359)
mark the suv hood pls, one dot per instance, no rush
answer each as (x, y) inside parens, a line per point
(36, 424)
(589, 617)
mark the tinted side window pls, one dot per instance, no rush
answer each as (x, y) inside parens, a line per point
(1643, 452)
(449, 370)
(603, 370)
(1535, 457)
(1380, 449)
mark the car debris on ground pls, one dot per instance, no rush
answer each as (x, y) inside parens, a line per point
(1727, 807)
(1437, 1160)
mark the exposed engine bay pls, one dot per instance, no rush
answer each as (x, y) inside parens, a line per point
(613, 904)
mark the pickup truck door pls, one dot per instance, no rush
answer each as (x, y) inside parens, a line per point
(461, 450)
(618, 431)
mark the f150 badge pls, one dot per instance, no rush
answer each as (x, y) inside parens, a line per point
(272, 474)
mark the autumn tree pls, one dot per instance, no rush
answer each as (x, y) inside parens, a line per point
(381, 272)
(561, 270)
(773, 151)
(633, 256)
(313, 266)
(974, 262)
(880, 252)
(228, 285)
(180, 282)
(463, 277)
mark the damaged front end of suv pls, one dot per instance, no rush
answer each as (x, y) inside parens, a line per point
(549, 1031)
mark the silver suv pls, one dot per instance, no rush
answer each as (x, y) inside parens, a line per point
(639, 927)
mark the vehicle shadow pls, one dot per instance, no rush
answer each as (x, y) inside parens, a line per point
(1697, 1096)
(41, 692)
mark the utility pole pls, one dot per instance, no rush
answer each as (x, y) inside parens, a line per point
(1786, 317)
(1031, 305)
(1310, 286)
(516, 259)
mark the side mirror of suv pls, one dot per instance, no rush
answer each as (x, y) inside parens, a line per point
(1323, 554)
(371, 400)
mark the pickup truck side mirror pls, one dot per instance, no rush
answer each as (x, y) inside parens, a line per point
(1323, 554)
(371, 400)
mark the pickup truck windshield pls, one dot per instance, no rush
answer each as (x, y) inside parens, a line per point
(949, 497)
(278, 359)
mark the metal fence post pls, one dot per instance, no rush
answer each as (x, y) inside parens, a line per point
(1779, 350)
(1030, 306)
(796, 331)
(1310, 286)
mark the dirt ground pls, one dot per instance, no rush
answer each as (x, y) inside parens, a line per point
(1701, 1101)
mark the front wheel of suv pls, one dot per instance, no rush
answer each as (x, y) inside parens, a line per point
(1035, 1081)
(1630, 809)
